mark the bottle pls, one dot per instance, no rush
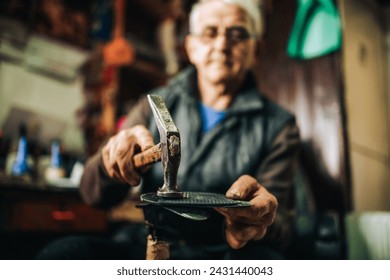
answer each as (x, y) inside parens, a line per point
(21, 166)
(55, 170)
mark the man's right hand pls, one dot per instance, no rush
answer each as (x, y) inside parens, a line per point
(119, 151)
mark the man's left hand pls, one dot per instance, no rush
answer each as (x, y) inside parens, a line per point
(248, 223)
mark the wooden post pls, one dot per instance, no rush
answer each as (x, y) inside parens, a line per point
(156, 249)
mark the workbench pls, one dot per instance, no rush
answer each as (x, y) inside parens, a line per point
(32, 213)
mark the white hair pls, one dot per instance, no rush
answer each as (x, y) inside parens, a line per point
(253, 8)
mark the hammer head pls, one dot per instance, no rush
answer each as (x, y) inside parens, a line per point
(170, 146)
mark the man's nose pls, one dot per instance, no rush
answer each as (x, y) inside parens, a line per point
(221, 42)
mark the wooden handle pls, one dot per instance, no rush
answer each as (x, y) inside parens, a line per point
(147, 157)
(157, 250)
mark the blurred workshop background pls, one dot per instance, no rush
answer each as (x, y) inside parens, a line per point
(71, 70)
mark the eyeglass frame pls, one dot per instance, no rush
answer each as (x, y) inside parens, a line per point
(211, 38)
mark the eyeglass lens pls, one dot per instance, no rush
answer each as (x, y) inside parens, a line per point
(234, 34)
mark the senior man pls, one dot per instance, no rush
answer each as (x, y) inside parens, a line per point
(234, 141)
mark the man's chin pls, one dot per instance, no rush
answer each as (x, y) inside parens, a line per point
(220, 80)
(217, 75)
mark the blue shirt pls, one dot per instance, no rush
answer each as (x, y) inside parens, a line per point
(210, 117)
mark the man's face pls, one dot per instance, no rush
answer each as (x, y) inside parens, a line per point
(222, 46)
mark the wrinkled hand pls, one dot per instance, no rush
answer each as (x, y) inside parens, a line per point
(248, 223)
(119, 151)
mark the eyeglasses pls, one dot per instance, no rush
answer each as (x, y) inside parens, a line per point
(234, 35)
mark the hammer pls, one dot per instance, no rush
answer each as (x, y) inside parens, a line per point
(168, 199)
(168, 150)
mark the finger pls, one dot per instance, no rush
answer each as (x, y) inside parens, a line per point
(119, 151)
(262, 203)
(127, 172)
(112, 153)
(262, 231)
(266, 220)
(116, 174)
(143, 137)
(237, 235)
(242, 188)
(250, 213)
(108, 162)
(253, 212)
(124, 160)
(243, 232)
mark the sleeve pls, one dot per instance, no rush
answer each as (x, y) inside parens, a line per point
(96, 187)
(140, 113)
(276, 173)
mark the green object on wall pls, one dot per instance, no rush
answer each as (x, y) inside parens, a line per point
(316, 30)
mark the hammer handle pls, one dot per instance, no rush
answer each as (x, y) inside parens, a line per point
(147, 157)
